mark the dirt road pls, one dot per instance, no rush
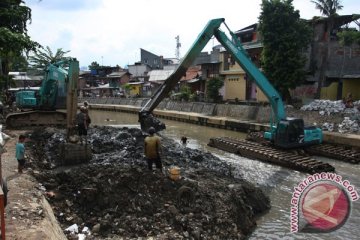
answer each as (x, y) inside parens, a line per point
(28, 215)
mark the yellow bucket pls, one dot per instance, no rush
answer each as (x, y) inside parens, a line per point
(174, 173)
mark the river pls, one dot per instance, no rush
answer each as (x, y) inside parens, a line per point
(276, 181)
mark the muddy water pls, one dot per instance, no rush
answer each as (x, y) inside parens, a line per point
(276, 181)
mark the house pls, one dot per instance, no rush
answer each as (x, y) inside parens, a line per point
(237, 84)
(193, 79)
(139, 72)
(156, 78)
(342, 69)
(150, 59)
(118, 79)
(23, 79)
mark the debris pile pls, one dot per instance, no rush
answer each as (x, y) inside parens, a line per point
(116, 196)
(335, 116)
(328, 107)
(348, 126)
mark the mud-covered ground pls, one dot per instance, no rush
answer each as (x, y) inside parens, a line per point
(114, 195)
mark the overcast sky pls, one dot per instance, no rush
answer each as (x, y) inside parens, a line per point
(112, 32)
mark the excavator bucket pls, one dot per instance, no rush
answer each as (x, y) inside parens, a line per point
(147, 120)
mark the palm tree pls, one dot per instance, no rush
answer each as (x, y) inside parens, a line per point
(44, 56)
(328, 7)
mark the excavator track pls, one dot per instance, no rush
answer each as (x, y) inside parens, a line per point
(335, 152)
(35, 118)
(340, 153)
(268, 154)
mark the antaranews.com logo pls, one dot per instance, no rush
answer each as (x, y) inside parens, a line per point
(321, 203)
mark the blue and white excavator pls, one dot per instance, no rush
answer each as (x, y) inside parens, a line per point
(54, 105)
(284, 132)
(58, 91)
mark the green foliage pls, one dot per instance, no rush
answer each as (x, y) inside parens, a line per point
(44, 56)
(94, 65)
(328, 7)
(285, 36)
(185, 93)
(212, 89)
(348, 37)
(14, 41)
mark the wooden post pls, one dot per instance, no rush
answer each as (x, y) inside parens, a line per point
(2, 202)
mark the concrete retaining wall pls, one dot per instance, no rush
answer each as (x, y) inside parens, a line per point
(259, 114)
(241, 118)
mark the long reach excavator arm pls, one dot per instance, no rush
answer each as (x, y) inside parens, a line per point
(284, 132)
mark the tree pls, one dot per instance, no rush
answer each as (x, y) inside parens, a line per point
(329, 9)
(14, 41)
(349, 36)
(94, 65)
(285, 36)
(212, 89)
(44, 56)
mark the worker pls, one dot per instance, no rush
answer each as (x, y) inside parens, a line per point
(20, 153)
(184, 140)
(349, 103)
(152, 148)
(88, 119)
(81, 120)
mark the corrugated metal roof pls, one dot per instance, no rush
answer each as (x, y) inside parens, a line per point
(193, 80)
(135, 83)
(159, 75)
(116, 74)
(352, 76)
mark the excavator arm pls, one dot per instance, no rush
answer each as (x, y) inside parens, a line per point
(146, 118)
(233, 46)
(284, 132)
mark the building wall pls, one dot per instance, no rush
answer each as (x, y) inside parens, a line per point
(139, 70)
(329, 92)
(351, 86)
(343, 60)
(154, 61)
(235, 86)
(260, 96)
(124, 79)
(135, 90)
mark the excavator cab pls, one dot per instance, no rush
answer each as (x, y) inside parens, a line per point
(291, 133)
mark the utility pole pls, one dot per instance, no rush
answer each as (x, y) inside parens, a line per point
(178, 45)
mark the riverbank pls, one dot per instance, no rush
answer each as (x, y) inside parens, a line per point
(28, 214)
(229, 122)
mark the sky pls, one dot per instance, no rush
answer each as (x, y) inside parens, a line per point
(112, 32)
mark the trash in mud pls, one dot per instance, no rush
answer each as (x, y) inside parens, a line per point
(115, 195)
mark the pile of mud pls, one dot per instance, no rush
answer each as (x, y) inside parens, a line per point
(116, 196)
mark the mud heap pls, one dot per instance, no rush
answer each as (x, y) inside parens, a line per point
(116, 196)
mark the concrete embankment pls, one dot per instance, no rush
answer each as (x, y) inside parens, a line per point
(241, 118)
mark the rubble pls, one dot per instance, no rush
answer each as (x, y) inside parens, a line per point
(346, 121)
(348, 126)
(115, 195)
(328, 107)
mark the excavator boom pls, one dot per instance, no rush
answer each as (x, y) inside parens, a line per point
(284, 132)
